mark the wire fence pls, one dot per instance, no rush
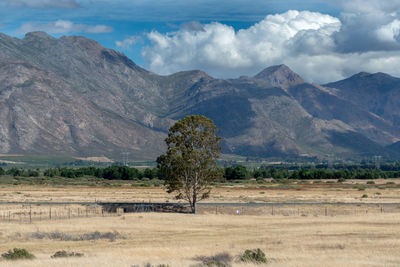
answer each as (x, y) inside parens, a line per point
(28, 213)
(31, 213)
(300, 210)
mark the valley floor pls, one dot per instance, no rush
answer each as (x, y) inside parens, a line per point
(177, 239)
(294, 239)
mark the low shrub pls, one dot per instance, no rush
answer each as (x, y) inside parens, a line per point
(219, 260)
(150, 265)
(64, 254)
(364, 196)
(253, 256)
(93, 236)
(18, 254)
(370, 182)
(341, 180)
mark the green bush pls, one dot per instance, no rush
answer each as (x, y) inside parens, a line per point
(238, 172)
(18, 254)
(370, 182)
(253, 256)
(364, 196)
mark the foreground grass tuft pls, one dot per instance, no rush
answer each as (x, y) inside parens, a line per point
(253, 256)
(93, 236)
(64, 254)
(150, 265)
(219, 260)
(18, 254)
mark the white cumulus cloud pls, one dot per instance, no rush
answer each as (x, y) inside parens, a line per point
(222, 51)
(42, 3)
(320, 47)
(63, 26)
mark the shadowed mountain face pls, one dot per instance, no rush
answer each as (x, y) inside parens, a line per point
(377, 93)
(71, 96)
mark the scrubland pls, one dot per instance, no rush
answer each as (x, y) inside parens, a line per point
(293, 239)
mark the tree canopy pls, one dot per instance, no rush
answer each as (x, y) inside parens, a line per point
(189, 164)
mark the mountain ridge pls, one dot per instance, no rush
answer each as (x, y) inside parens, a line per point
(72, 96)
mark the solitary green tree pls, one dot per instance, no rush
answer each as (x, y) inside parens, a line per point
(189, 162)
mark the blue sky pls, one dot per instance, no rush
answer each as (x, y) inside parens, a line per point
(226, 38)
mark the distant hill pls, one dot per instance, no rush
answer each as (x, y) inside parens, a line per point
(71, 96)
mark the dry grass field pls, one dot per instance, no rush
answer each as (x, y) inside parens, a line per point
(383, 191)
(295, 239)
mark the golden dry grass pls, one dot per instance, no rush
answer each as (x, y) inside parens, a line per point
(301, 239)
(256, 193)
(176, 239)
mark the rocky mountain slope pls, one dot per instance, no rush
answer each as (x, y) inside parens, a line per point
(71, 96)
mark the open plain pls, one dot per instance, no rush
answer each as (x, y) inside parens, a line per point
(297, 236)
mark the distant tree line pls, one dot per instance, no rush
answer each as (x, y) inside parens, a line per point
(20, 172)
(114, 172)
(241, 172)
(238, 172)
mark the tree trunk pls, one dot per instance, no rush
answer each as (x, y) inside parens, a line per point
(193, 207)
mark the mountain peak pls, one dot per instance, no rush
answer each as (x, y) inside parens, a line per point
(37, 35)
(280, 76)
(383, 79)
(362, 74)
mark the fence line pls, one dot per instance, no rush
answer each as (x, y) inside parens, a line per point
(291, 210)
(24, 214)
(28, 213)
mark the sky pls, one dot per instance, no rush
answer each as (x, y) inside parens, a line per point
(322, 40)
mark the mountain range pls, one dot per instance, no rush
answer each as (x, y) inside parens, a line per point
(71, 96)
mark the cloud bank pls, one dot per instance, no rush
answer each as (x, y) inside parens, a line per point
(63, 26)
(42, 3)
(320, 47)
